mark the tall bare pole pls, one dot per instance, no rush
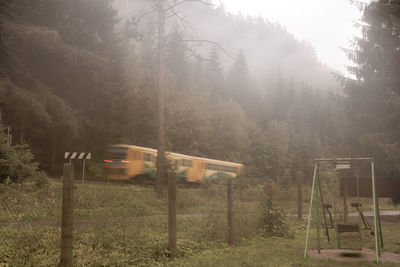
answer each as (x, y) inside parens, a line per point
(231, 238)
(161, 97)
(172, 213)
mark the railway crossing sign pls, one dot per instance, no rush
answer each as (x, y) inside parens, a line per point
(81, 155)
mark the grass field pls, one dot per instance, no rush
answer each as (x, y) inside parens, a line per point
(126, 225)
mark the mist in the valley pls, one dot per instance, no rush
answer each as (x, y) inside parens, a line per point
(270, 50)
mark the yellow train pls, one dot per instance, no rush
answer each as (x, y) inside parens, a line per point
(127, 162)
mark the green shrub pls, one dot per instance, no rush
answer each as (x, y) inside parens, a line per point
(16, 162)
(274, 218)
(95, 170)
(274, 223)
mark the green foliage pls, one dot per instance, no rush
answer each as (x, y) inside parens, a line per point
(95, 86)
(274, 223)
(95, 170)
(17, 163)
(126, 225)
(373, 97)
(25, 202)
(57, 103)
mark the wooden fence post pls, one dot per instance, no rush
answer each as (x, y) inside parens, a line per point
(172, 213)
(67, 215)
(230, 213)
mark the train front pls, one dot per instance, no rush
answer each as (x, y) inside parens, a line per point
(116, 162)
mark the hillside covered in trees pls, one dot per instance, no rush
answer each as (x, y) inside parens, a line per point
(79, 75)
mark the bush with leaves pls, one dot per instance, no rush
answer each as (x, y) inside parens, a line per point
(274, 219)
(274, 223)
(16, 162)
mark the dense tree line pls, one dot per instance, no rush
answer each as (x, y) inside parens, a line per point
(373, 94)
(58, 69)
(75, 75)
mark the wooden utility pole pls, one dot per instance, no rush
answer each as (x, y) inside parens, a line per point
(67, 215)
(160, 180)
(230, 213)
(172, 213)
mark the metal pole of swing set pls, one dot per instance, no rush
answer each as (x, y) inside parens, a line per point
(317, 213)
(375, 214)
(310, 209)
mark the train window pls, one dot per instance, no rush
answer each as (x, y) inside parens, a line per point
(211, 166)
(186, 163)
(153, 158)
(147, 157)
(116, 152)
(232, 169)
(221, 168)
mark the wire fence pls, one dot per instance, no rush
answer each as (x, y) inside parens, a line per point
(119, 224)
(30, 225)
(128, 225)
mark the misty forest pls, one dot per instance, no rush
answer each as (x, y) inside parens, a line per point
(189, 77)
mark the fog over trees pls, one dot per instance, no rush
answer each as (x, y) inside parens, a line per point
(79, 75)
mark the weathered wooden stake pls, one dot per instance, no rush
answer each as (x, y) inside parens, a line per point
(67, 215)
(172, 214)
(230, 213)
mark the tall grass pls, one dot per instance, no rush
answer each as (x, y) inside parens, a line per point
(126, 225)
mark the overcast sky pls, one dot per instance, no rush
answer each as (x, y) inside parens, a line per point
(326, 24)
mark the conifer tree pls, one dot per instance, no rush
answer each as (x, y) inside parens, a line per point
(214, 74)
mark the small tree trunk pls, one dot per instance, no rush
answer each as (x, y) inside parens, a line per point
(161, 101)
(172, 214)
(299, 201)
(231, 239)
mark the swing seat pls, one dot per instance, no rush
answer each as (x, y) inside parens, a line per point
(348, 228)
(343, 228)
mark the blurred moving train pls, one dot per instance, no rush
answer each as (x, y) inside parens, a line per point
(134, 163)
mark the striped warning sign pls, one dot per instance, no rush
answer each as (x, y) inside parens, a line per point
(78, 155)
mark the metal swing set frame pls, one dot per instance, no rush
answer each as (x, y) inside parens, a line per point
(316, 184)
